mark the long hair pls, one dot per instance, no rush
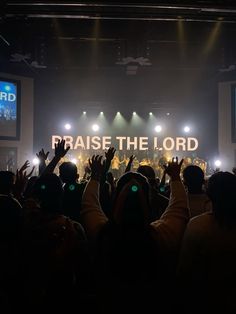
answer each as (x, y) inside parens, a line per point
(126, 247)
(131, 205)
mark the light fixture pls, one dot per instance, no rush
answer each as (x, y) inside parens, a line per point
(158, 128)
(217, 163)
(67, 126)
(35, 161)
(95, 127)
(186, 129)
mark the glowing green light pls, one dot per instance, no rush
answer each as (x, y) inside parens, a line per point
(43, 187)
(134, 188)
(71, 187)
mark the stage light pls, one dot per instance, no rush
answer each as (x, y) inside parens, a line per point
(217, 163)
(118, 112)
(67, 126)
(150, 113)
(158, 128)
(84, 112)
(74, 161)
(101, 112)
(95, 127)
(167, 113)
(186, 129)
(35, 161)
(134, 113)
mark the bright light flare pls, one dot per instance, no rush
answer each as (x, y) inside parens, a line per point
(95, 127)
(218, 163)
(35, 161)
(158, 128)
(186, 129)
(67, 126)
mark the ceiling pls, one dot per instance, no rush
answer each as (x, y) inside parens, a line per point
(75, 34)
(122, 10)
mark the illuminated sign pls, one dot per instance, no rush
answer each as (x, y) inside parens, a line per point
(141, 143)
(8, 101)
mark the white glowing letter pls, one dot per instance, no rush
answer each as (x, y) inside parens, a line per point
(134, 142)
(194, 141)
(96, 140)
(55, 139)
(68, 141)
(106, 142)
(172, 143)
(180, 142)
(143, 143)
(79, 143)
(120, 139)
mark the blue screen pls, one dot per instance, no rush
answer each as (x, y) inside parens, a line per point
(8, 109)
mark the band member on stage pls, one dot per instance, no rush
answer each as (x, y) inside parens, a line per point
(145, 162)
(115, 166)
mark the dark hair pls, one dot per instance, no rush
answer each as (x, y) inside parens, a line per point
(132, 212)
(68, 172)
(147, 171)
(222, 192)
(48, 189)
(193, 177)
(6, 181)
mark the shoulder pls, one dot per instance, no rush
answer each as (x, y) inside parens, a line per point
(201, 223)
(8, 201)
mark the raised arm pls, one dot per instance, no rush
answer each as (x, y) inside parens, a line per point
(92, 216)
(60, 151)
(42, 156)
(21, 180)
(169, 229)
(129, 165)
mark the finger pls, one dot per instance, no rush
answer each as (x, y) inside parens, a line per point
(30, 174)
(181, 162)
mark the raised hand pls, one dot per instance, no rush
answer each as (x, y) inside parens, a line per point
(110, 153)
(60, 150)
(42, 156)
(25, 166)
(96, 166)
(173, 168)
(128, 167)
(21, 179)
(22, 171)
(131, 158)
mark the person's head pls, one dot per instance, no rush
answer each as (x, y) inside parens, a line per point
(48, 190)
(30, 186)
(193, 178)
(131, 203)
(221, 191)
(7, 179)
(68, 172)
(149, 173)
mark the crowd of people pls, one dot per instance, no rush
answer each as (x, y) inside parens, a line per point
(90, 242)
